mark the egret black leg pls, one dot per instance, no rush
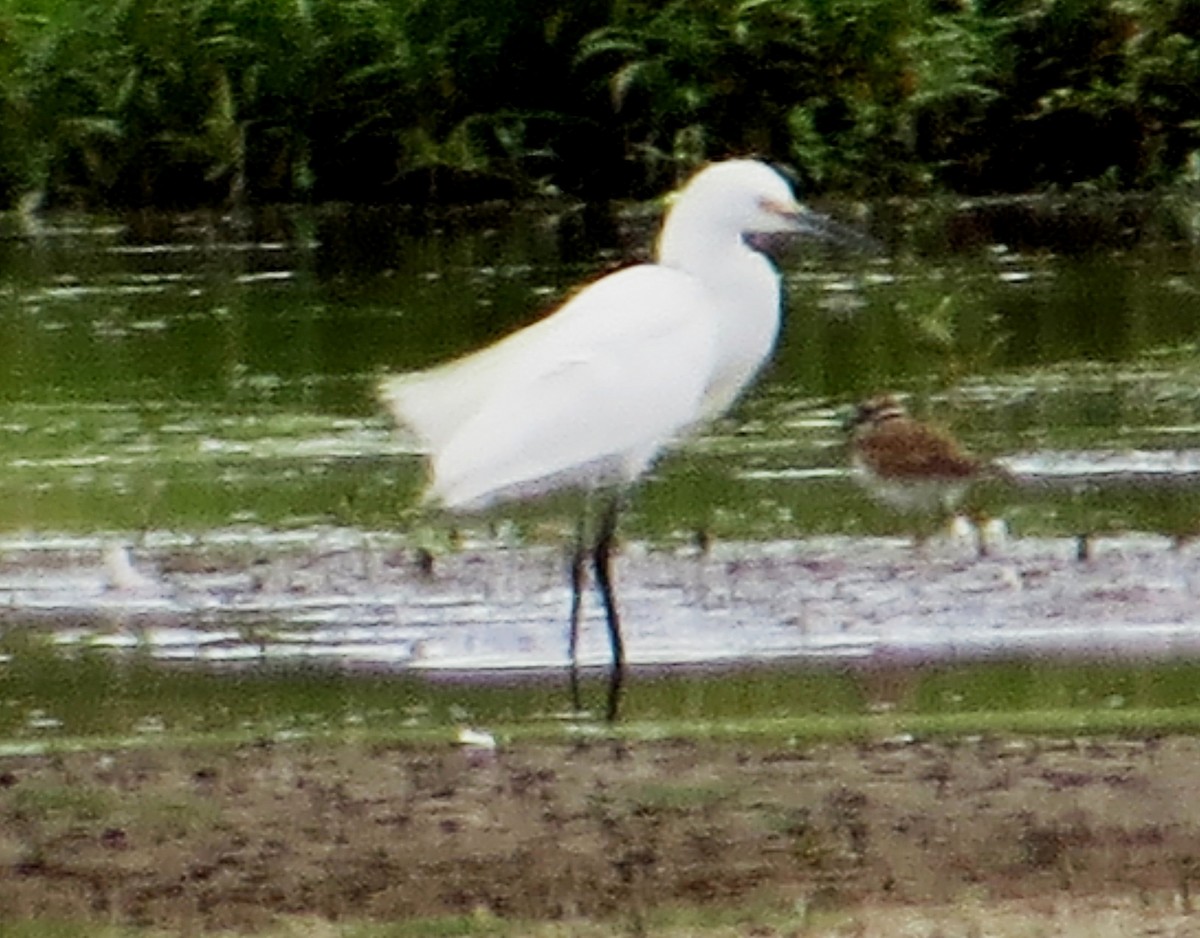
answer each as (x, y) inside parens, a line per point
(602, 564)
(576, 573)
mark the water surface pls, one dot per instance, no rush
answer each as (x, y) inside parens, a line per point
(168, 383)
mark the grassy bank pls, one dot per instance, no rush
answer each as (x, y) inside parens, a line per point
(1014, 798)
(1059, 918)
(1003, 836)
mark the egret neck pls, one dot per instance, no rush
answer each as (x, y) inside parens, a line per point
(746, 287)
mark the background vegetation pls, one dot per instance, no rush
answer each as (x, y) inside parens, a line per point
(188, 102)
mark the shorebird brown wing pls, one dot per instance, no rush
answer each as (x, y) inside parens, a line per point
(901, 448)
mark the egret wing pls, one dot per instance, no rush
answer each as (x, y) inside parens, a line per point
(435, 403)
(590, 393)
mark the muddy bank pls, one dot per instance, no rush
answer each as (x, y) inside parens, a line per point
(237, 838)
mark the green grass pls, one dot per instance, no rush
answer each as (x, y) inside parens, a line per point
(715, 922)
(1082, 918)
(692, 925)
(53, 929)
(68, 804)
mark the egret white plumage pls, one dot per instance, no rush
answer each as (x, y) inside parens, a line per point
(588, 396)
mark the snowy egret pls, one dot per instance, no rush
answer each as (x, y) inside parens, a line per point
(588, 396)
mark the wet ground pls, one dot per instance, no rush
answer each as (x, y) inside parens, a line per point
(985, 835)
(804, 839)
(354, 598)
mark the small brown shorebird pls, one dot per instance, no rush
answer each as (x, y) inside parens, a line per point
(912, 466)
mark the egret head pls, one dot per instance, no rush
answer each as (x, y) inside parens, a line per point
(744, 199)
(744, 195)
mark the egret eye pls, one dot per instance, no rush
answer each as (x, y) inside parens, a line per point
(782, 209)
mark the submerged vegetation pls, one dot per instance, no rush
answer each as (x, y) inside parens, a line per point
(188, 102)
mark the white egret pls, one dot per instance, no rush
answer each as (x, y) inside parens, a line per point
(588, 396)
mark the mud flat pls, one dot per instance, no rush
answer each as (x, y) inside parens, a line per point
(1020, 836)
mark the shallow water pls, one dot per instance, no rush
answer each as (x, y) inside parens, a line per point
(201, 388)
(338, 595)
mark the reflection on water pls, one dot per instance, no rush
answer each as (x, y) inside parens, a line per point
(197, 375)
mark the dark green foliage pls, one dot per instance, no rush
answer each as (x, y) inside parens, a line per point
(188, 102)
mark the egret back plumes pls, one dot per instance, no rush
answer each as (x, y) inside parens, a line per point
(585, 397)
(588, 396)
